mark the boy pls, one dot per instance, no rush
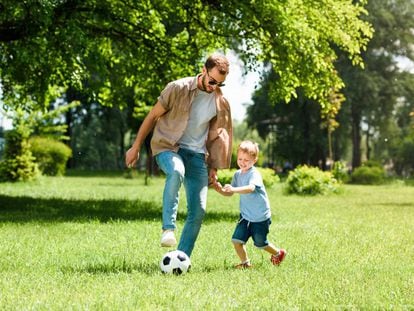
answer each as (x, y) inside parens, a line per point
(254, 206)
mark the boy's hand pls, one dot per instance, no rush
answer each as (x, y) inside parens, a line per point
(228, 188)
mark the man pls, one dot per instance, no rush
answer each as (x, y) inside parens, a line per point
(192, 134)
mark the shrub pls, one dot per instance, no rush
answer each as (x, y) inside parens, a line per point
(368, 175)
(340, 172)
(225, 176)
(268, 175)
(404, 160)
(306, 180)
(19, 163)
(51, 155)
(372, 163)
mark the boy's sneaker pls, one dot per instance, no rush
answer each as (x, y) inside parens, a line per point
(245, 265)
(277, 259)
(168, 238)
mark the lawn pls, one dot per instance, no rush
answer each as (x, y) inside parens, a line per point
(93, 243)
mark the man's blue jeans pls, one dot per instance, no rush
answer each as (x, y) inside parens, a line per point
(190, 168)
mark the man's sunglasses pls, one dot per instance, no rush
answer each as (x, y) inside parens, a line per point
(214, 82)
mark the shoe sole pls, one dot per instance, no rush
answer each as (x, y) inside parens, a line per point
(168, 243)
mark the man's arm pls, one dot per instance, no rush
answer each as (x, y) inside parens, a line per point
(132, 155)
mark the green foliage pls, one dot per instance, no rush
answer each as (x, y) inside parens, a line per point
(372, 163)
(97, 140)
(225, 176)
(18, 163)
(381, 95)
(270, 178)
(268, 175)
(120, 48)
(340, 171)
(404, 162)
(306, 180)
(51, 155)
(368, 175)
(294, 129)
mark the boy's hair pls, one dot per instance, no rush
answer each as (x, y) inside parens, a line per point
(250, 148)
(217, 60)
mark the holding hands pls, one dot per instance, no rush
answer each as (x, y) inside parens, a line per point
(227, 189)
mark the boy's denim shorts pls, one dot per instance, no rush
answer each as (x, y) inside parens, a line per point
(257, 230)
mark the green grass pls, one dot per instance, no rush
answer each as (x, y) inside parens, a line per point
(92, 242)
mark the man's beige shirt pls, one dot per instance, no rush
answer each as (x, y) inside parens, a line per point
(176, 99)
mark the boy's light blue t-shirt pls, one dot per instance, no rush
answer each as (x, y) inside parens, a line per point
(254, 206)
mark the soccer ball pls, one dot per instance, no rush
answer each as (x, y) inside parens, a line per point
(176, 262)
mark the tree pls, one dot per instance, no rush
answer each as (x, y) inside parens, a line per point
(113, 46)
(377, 95)
(294, 129)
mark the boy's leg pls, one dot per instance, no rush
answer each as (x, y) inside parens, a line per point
(240, 236)
(196, 186)
(259, 231)
(271, 249)
(241, 251)
(172, 165)
(259, 235)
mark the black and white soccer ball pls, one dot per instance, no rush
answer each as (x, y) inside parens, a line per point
(176, 262)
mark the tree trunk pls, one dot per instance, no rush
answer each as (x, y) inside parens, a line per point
(356, 136)
(367, 143)
(69, 117)
(121, 162)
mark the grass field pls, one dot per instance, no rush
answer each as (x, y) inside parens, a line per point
(92, 243)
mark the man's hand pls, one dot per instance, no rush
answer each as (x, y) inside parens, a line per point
(131, 157)
(212, 177)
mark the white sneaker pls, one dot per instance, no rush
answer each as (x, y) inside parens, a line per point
(168, 238)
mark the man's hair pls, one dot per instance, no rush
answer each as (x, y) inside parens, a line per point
(250, 148)
(218, 60)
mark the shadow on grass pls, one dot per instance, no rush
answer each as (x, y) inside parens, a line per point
(26, 209)
(114, 268)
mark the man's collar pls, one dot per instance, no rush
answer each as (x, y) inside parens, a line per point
(195, 82)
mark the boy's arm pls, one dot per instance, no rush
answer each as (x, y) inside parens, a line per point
(240, 190)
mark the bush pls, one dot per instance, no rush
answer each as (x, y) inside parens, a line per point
(225, 176)
(19, 163)
(340, 172)
(368, 175)
(404, 160)
(51, 155)
(372, 163)
(268, 175)
(306, 180)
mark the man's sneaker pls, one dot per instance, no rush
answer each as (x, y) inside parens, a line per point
(245, 265)
(168, 238)
(277, 259)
